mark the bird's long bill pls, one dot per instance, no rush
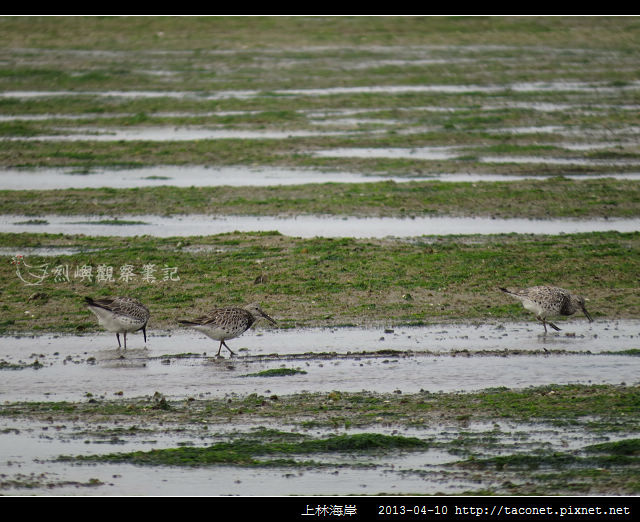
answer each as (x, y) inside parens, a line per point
(272, 321)
(587, 314)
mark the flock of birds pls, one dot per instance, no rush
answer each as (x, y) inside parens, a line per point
(123, 315)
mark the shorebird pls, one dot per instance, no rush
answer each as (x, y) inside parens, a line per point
(120, 315)
(227, 323)
(549, 300)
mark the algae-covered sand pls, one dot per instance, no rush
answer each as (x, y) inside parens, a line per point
(319, 281)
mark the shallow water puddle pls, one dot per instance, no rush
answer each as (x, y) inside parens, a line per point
(199, 176)
(43, 251)
(333, 115)
(128, 479)
(131, 94)
(173, 133)
(206, 377)
(179, 176)
(559, 107)
(452, 153)
(553, 86)
(558, 161)
(440, 358)
(304, 226)
(423, 153)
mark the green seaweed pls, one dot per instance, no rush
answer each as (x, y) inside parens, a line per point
(244, 452)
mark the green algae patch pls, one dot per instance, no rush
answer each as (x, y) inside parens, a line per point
(559, 475)
(35, 365)
(541, 199)
(325, 281)
(634, 352)
(629, 447)
(244, 452)
(43, 480)
(618, 454)
(596, 407)
(556, 461)
(119, 222)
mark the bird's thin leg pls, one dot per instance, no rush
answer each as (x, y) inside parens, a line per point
(553, 326)
(220, 348)
(118, 337)
(125, 340)
(225, 345)
(544, 323)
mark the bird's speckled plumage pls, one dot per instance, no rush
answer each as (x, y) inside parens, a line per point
(227, 323)
(120, 315)
(547, 301)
